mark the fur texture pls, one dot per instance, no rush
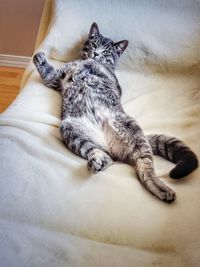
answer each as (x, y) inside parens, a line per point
(94, 124)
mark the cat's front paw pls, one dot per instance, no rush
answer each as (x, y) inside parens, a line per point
(99, 162)
(39, 58)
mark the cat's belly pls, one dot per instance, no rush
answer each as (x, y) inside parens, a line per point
(94, 131)
(93, 126)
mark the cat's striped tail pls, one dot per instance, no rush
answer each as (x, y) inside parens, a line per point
(175, 151)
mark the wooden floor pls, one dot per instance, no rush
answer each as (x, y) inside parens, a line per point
(10, 79)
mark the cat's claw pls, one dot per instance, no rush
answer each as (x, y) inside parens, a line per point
(39, 58)
(99, 162)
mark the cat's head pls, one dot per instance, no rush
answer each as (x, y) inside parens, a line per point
(102, 49)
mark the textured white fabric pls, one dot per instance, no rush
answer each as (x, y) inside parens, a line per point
(160, 32)
(52, 212)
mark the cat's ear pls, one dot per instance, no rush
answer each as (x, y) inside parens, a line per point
(121, 46)
(94, 30)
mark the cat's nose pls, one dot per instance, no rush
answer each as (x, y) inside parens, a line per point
(95, 54)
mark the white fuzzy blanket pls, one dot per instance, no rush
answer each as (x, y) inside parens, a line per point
(52, 212)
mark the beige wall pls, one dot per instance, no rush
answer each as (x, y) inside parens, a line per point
(19, 22)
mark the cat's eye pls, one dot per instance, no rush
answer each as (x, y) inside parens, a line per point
(94, 45)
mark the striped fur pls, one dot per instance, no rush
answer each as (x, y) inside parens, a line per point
(175, 151)
(94, 124)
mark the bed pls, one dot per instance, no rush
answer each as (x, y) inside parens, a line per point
(52, 211)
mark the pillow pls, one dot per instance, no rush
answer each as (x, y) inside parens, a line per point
(164, 34)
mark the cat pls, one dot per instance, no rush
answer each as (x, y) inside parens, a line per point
(94, 124)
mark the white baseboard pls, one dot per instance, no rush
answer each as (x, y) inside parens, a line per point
(14, 61)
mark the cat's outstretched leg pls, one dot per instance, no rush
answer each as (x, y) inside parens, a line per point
(80, 144)
(145, 171)
(50, 76)
(143, 163)
(134, 149)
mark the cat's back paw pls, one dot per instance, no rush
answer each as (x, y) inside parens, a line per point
(162, 191)
(99, 161)
(168, 196)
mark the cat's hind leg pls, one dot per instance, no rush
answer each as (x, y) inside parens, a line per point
(146, 174)
(133, 148)
(142, 159)
(82, 145)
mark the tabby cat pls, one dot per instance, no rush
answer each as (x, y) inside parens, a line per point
(94, 124)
